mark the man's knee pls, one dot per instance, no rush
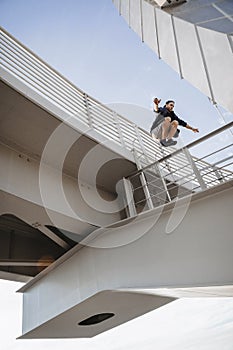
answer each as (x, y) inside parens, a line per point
(167, 120)
(175, 123)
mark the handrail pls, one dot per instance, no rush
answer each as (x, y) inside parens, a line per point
(22, 63)
(66, 80)
(188, 146)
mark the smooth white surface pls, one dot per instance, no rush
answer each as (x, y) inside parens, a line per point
(190, 55)
(149, 30)
(217, 59)
(135, 17)
(155, 259)
(186, 324)
(166, 39)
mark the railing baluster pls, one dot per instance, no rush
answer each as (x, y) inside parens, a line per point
(36, 74)
(195, 169)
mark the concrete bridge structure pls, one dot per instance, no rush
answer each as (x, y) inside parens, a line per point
(101, 223)
(194, 37)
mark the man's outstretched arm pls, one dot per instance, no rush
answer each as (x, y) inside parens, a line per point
(191, 128)
(156, 104)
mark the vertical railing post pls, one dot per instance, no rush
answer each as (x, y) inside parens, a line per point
(140, 166)
(157, 171)
(218, 174)
(119, 129)
(144, 182)
(141, 144)
(89, 117)
(129, 199)
(146, 191)
(195, 169)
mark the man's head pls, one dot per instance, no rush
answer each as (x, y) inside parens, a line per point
(170, 105)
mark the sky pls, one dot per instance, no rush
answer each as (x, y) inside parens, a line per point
(92, 46)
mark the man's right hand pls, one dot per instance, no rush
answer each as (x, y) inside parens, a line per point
(157, 101)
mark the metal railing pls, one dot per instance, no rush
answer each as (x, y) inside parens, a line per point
(23, 64)
(179, 174)
(179, 168)
(29, 69)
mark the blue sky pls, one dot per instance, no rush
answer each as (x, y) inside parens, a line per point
(91, 45)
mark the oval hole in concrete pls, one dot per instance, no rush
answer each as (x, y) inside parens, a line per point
(96, 319)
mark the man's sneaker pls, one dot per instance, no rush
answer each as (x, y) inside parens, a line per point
(163, 142)
(171, 142)
(167, 143)
(177, 133)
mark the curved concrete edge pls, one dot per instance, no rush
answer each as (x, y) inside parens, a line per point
(103, 231)
(124, 304)
(201, 56)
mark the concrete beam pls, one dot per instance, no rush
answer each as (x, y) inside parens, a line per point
(183, 244)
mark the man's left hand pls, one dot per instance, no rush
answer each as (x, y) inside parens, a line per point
(195, 130)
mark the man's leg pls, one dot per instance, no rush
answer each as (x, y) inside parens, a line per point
(172, 130)
(168, 129)
(165, 127)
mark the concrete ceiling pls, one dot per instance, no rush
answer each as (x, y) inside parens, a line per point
(27, 128)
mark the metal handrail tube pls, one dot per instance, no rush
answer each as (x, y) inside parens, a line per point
(190, 145)
(214, 183)
(176, 173)
(125, 125)
(171, 186)
(115, 137)
(151, 146)
(44, 83)
(105, 127)
(165, 176)
(107, 124)
(219, 162)
(106, 120)
(210, 154)
(61, 78)
(101, 116)
(30, 52)
(145, 199)
(223, 169)
(99, 109)
(177, 169)
(37, 74)
(42, 89)
(190, 180)
(127, 122)
(210, 175)
(188, 177)
(106, 133)
(223, 160)
(128, 132)
(220, 168)
(44, 68)
(160, 198)
(37, 85)
(217, 167)
(41, 71)
(98, 118)
(148, 183)
(183, 177)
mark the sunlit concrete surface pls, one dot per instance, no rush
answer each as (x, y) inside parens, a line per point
(194, 37)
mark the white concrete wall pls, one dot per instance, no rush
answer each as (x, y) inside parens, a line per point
(198, 252)
(19, 175)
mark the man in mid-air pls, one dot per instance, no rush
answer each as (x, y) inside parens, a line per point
(165, 126)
